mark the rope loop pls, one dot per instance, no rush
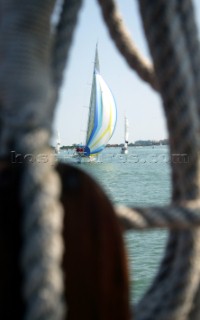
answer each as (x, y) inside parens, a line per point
(122, 38)
(33, 56)
(173, 41)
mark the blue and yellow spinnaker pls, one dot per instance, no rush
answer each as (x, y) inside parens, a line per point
(102, 114)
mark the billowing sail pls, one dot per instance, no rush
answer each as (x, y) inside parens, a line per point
(103, 113)
(102, 116)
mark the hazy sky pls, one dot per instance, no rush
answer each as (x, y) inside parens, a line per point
(133, 97)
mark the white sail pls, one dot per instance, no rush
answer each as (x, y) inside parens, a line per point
(126, 133)
(102, 115)
(124, 149)
(58, 143)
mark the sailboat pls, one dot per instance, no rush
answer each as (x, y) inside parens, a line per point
(102, 117)
(58, 143)
(124, 149)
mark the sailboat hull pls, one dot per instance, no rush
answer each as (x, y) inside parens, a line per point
(124, 150)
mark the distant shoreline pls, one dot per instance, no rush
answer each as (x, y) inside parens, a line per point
(138, 143)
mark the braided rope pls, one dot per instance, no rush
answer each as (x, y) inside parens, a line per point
(27, 99)
(124, 43)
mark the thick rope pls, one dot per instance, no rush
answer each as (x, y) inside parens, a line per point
(177, 85)
(175, 290)
(173, 297)
(63, 35)
(192, 42)
(27, 96)
(189, 68)
(124, 43)
(185, 216)
(173, 41)
(63, 38)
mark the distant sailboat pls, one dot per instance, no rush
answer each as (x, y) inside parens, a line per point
(124, 149)
(58, 143)
(102, 117)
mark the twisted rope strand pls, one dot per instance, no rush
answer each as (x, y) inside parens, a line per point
(43, 233)
(175, 299)
(28, 101)
(26, 95)
(169, 217)
(174, 70)
(186, 11)
(18, 112)
(175, 290)
(43, 249)
(63, 38)
(124, 43)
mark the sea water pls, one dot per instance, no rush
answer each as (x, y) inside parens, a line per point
(142, 179)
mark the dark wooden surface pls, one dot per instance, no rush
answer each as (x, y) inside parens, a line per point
(94, 263)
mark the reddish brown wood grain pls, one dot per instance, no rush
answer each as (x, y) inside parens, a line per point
(94, 264)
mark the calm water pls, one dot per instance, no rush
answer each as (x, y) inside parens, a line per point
(141, 179)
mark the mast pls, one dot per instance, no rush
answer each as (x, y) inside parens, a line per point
(124, 149)
(96, 69)
(126, 135)
(57, 149)
(96, 61)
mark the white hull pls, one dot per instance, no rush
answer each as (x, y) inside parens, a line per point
(58, 143)
(83, 159)
(124, 151)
